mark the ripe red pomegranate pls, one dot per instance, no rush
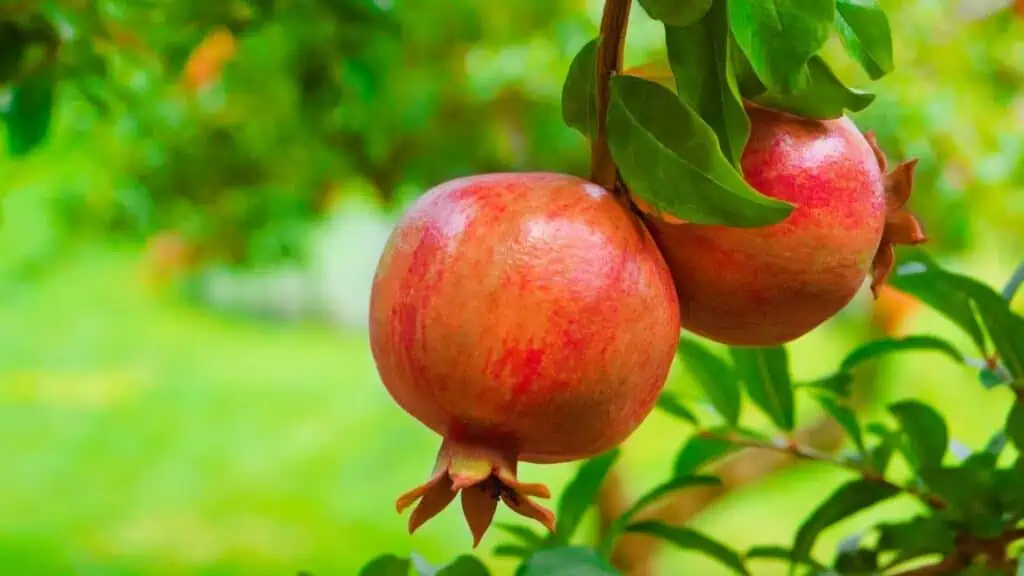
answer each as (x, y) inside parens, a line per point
(770, 285)
(523, 317)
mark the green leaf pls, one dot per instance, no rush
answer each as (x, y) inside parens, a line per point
(581, 493)
(864, 31)
(13, 44)
(857, 561)
(691, 540)
(784, 555)
(701, 450)
(846, 501)
(716, 378)
(676, 12)
(880, 454)
(29, 113)
(702, 67)
(846, 418)
(521, 533)
(566, 561)
(464, 566)
(780, 36)
(877, 348)
(920, 536)
(626, 518)
(925, 431)
(920, 276)
(1005, 329)
(387, 565)
(671, 158)
(579, 92)
(1015, 425)
(839, 384)
(766, 374)
(671, 405)
(825, 96)
(513, 551)
(972, 493)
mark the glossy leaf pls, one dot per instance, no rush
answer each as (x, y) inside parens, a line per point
(626, 518)
(670, 158)
(846, 501)
(669, 404)
(824, 97)
(765, 371)
(700, 451)
(29, 113)
(716, 378)
(925, 431)
(845, 417)
(581, 493)
(780, 36)
(864, 31)
(702, 67)
(464, 566)
(885, 346)
(676, 12)
(566, 561)
(1015, 425)
(687, 539)
(579, 92)
(387, 565)
(839, 384)
(920, 276)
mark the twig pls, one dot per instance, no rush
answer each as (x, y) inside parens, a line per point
(614, 23)
(806, 453)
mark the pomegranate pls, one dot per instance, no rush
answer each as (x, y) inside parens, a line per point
(522, 317)
(770, 285)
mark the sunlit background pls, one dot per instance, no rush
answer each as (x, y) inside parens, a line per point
(186, 385)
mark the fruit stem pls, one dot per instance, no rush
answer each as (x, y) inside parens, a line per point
(614, 23)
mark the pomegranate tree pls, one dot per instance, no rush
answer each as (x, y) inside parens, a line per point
(768, 285)
(522, 317)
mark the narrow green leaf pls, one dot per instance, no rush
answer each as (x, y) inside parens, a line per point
(766, 374)
(780, 36)
(1005, 329)
(671, 159)
(925, 431)
(581, 493)
(784, 555)
(692, 540)
(566, 561)
(884, 346)
(626, 518)
(464, 566)
(676, 12)
(521, 533)
(839, 384)
(846, 418)
(857, 561)
(920, 536)
(13, 44)
(825, 96)
(513, 551)
(1015, 425)
(671, 405)
(702, 67)
(29, 113)
(864, 31)
(579, 92)
(701, 450)
(971, 492)
(919, 275)
(846, 501)
(387, 565)
(716, 378)
(880, 454)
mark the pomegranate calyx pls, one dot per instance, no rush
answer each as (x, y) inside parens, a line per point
(901, 227)
(484, 476)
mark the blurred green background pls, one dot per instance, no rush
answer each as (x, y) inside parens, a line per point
(185, 381)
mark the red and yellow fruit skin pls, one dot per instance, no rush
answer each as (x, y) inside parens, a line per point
(770, 285)
(524, 316)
